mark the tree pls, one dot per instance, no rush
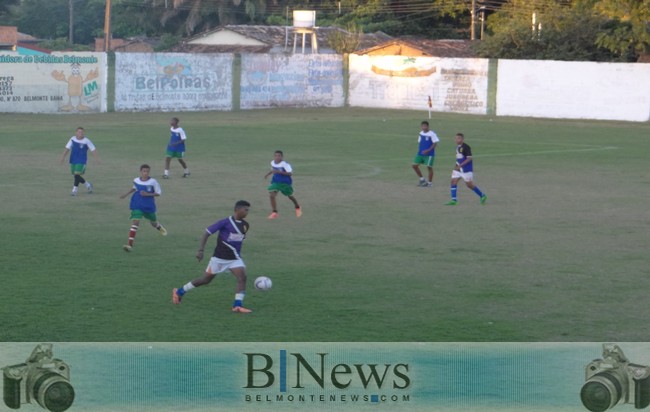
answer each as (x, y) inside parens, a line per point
(560, 31)
(628, 31)
(6, 7)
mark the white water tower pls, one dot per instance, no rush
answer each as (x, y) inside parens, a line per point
(304, 22)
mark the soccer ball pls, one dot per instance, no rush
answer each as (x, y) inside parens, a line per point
(263, 283)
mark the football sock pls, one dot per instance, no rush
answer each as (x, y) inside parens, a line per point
(454, 190)
(77, 180)
(478, 191)
(239, 299)
(87, 183)
(81, 179)
(187, 170)
(132, 232)
(74, 189)
(166, 172)
(181, 291)
(158, 226)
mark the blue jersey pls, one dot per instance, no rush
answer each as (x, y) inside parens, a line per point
(425, 141)
(178, 136)
(79, 150)
(284, 167)
(463, 151)
(232, 233)
(145, 203)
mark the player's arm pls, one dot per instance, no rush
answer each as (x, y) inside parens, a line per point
(464, 162)
(204, 240)
(430, 149)
(65, 153)
(127, 193)
(268, 174)
(96, 156)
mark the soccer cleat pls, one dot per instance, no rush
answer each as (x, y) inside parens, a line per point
(451, 203)
(240, 309)
(127, 248)
(483, 199)
(274, 215)
(186, 174)
(73, 193)
(165, 176)
(429, 184)
(298, 212)
(176, 300)
(90, 187)
(422, 183)
(162, 230)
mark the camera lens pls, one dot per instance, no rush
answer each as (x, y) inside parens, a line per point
(53, 392)
(601, 392)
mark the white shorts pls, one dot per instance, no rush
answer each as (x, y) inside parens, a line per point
(466, 176)
(217, 265)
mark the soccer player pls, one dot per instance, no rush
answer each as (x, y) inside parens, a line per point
(145, 189)
(463, 170)
(232, 232)
(427, 141)
(176, 148)
(281, 182)
(78, 147)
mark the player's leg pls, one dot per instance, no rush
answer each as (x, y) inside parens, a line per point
(274, 204)
(453, 188)
(240, 292)
(430, 182)
(470, 184)
(177, 294)
(186, 171)
(135, 223)
(153, 220)
(168, 160)
(296, 205)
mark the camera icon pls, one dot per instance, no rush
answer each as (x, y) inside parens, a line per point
(41, 378)
(613, 380)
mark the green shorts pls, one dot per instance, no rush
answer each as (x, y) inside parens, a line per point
(77, 168)
(178, 155)
(283, 188)
(424, 160)
(137, 214)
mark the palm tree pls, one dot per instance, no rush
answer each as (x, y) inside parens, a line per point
(209, 12)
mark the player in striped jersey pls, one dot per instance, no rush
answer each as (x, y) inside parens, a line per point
(78, 147)
(145, 189)
(227, 256)
(464, 169)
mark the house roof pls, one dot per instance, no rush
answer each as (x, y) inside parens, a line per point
(270, 37)
(428, 47)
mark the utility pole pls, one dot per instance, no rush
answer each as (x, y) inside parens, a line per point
(107, 27)
(71, 23)
(472, 29)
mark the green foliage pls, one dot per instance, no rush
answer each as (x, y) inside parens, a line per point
(560, 33)
(62, 43)
(345, 42)
(628, 31)
(167, 41)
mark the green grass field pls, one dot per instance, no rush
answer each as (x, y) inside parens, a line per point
(558, 253)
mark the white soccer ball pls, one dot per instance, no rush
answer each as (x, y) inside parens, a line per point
(263, 283)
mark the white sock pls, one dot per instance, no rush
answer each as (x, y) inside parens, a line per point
(87, 184)
(187, 170)
(74, 188)
(188, 287)
(240, 296)
(166, 172)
